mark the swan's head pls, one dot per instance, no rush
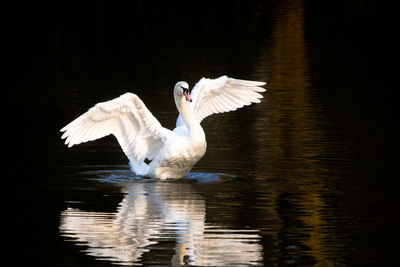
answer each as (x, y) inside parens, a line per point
(182, 89)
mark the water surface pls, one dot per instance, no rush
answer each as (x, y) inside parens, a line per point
(163, 220)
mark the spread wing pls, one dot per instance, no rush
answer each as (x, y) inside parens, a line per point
(222, 95)
(138, 132)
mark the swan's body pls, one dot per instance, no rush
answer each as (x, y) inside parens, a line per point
(141, 136)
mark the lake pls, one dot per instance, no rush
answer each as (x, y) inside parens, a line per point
(306, 177)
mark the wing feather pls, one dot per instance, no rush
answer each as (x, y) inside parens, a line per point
(222, 95)
(127, 118)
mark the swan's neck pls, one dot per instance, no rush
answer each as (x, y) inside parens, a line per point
(186, 112)
(195, 131)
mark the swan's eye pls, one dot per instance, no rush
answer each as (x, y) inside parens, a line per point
(184, 89)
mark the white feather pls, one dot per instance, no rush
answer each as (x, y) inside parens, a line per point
(222, 95)
(127, 118)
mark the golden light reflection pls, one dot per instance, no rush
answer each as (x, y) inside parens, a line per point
(290, 134)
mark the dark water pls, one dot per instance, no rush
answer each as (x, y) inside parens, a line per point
(307, 177)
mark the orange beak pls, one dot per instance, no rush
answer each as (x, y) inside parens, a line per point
(187, 95)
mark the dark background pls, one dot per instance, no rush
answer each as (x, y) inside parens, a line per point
(64, 56)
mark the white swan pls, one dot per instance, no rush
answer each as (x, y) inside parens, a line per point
(141, 136)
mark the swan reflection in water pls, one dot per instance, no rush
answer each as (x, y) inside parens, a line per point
(155, 212)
